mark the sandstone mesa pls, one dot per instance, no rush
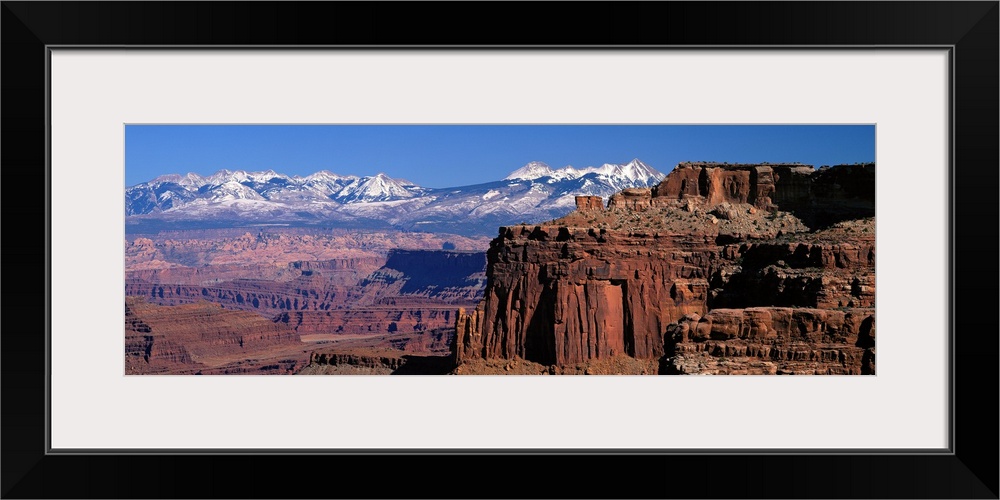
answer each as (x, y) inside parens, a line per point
(714, 270)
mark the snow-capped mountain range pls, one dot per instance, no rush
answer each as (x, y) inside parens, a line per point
(532, 193)
(634, 171)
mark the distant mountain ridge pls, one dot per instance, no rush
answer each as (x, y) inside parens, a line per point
(535, 191)
(634, 170)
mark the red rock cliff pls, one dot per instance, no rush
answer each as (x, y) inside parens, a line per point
(559, 296)
(625, 281)
(819, 197)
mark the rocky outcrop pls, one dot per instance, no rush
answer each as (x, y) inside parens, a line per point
(757, 185)
(588, 203)
(772, 340)
(711, 249)
(388, 363)
(375, 362)
(819, 197)
(823, 274)
(631, 199)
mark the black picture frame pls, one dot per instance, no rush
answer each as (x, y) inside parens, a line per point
(970, 29)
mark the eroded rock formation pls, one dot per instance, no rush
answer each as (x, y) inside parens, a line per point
(588, 203)
(771, 267)
(405, 291)
(205, 338)
(561, 296)
(773, 340)
(819, 197)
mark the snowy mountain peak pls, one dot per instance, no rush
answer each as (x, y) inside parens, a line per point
(325, 176)
(225, 175)
(232, 190)
(532, 170)
(633, 171)
(379, 187)
(189, 179)
(534, 192)
(220, 175)
(175, 178)
(192, 179)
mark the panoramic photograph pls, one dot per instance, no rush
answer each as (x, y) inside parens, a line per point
(499, 250)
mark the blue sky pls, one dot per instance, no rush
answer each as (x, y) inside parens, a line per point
(458, 155)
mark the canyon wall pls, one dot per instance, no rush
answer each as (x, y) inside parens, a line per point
(204, 338)
(724, 251)
(561, 296)
(405, 291)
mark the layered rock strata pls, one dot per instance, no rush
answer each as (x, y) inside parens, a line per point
(406, 291)
(560, 296)
(204, 338)
(589, 203)
(773, 340)
(721, 250)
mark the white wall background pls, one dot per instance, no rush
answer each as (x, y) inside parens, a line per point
(94, 93)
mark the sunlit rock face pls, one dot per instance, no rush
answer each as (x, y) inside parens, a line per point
(714, 270)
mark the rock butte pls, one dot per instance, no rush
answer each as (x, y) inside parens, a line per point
(719, 269)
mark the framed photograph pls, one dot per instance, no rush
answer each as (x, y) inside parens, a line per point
(901, 97)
